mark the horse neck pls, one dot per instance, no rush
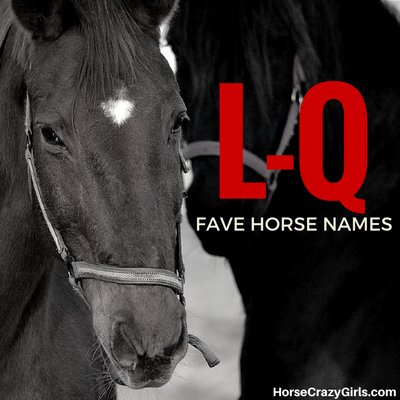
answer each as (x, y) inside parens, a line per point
(21, 255)
(357, 42)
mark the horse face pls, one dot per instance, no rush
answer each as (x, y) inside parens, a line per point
(109, 170)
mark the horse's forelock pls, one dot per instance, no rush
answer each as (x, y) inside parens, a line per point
(114, 43)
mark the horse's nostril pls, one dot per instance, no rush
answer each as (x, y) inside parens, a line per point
(123, 349)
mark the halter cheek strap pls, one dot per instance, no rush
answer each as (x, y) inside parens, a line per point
(79, 270)
(209, 148)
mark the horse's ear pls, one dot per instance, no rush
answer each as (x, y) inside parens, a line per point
(155, 12)
(43, 18)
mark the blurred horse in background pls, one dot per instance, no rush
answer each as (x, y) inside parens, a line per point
(321, 306)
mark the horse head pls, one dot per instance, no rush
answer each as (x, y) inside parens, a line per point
(243, 50)
(105, 115)
(264, 46)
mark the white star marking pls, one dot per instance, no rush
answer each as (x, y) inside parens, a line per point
(118, 109)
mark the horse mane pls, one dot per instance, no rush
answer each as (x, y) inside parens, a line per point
(112, 35)
(7, 19)
(236, 36)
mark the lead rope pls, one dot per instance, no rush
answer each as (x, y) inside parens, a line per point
(77, 271)
(210, 357)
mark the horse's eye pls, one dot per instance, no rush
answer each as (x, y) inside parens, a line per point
(179, 123)
(50, 136)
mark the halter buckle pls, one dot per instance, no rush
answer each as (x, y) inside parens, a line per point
(29, 139)
(297, 94)
(184, 166)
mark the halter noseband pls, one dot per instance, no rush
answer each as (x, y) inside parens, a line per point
(210, 148)
(79, 270)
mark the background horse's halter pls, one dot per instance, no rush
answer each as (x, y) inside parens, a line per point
(79, 270)
(210, 148)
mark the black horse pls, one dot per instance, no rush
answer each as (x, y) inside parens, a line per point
(103, 114)
(321, 306)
